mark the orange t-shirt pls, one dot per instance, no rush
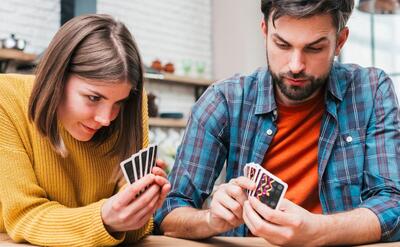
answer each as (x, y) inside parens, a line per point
(292, 155)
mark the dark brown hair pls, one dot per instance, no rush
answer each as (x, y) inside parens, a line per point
(94, 47)
(340, 10)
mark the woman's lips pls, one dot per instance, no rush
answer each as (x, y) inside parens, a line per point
(89, 129)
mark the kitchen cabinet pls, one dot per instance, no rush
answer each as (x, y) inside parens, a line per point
(199, 86)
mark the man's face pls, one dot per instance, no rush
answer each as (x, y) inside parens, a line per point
(300, 53)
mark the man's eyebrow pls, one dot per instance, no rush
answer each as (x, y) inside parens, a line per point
(318, 41)
(310, 44)
(280, 38)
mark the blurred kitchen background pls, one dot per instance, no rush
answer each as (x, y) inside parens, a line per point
(187, 45)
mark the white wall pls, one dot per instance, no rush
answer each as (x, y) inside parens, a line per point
(35, 21)
(387, 45)
(169, 30)
(238, 45)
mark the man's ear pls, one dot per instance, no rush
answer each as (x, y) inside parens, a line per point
(264, 28)
(341, 40)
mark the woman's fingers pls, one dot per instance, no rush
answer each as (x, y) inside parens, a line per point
(133, 190)
(164, 192)
(161, 164)
(159, 172)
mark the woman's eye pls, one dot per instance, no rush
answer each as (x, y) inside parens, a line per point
(93, 98)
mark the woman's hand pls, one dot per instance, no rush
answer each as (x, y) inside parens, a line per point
(131, 208)
(161, 180)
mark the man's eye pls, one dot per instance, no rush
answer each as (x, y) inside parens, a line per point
(93, 98)
(282, 46)
(314, 49)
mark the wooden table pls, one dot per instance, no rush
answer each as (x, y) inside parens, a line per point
(7, 55)
(155, 241)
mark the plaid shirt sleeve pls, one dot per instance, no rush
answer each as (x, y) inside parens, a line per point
(200, 156)
(381, 192)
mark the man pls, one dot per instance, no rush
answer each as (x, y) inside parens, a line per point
(329, 130)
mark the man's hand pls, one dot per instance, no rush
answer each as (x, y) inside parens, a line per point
(226, 207)
(289, 225)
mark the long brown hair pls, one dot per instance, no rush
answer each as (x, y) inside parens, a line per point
(95, 47)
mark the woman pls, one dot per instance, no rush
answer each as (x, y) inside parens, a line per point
(63, 134)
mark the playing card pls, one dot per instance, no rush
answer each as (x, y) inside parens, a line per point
(150, 158)
(127, 170)
(269, 189)
(143, 161)
(139, 164)
(250, 171)
(153, 164)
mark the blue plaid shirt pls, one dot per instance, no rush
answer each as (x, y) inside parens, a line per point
(358, 148)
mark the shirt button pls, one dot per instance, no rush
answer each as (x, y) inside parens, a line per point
(275, 112)
(349, 139)
(269, 132)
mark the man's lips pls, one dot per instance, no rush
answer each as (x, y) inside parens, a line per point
(296, 82)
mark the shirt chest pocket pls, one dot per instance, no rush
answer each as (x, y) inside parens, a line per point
(347, 160)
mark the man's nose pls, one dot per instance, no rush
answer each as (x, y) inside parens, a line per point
(297, 63)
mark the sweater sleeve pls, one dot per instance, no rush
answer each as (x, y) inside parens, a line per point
(29, 215)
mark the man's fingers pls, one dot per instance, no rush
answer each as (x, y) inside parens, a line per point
(246, 219)
(258, 226)
(132, 190)
(235, 188)
(243, 182)
(276, 217)
(225, 214)
(237, 193)
(288, 206)
(230, 204)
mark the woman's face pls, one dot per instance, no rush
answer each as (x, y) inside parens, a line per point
(88, 105)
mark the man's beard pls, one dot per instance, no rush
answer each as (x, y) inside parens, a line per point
(299, 93)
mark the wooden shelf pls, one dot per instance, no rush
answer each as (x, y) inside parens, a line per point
(16, 55)
(171, 78)
(167, 122)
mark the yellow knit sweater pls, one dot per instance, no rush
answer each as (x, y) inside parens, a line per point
(44, 198)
